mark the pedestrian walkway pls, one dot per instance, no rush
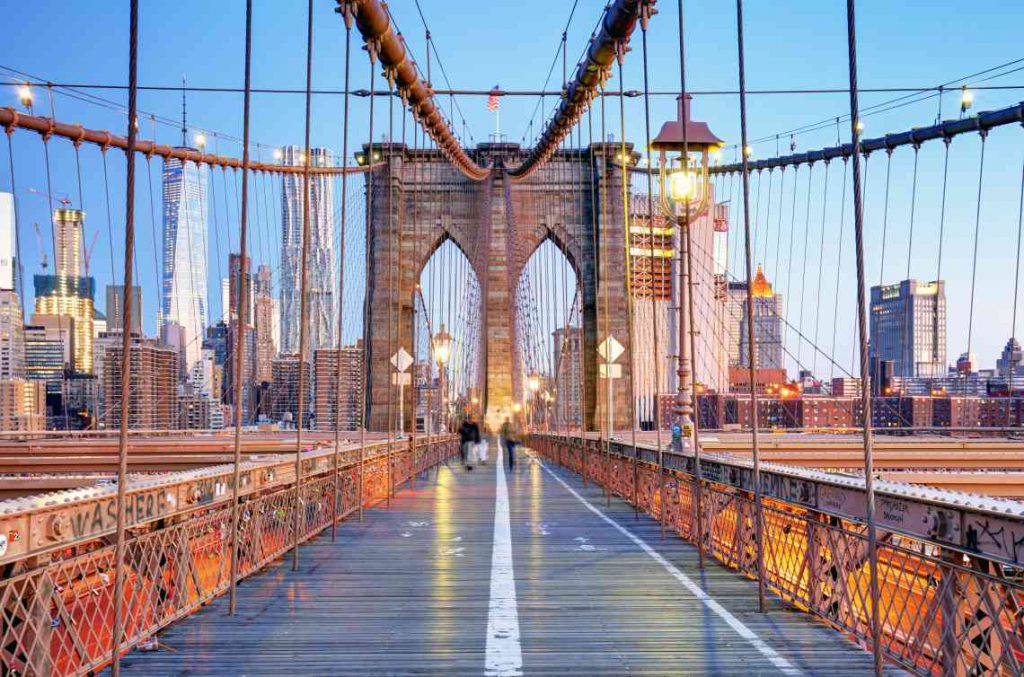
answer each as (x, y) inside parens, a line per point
(455, 580)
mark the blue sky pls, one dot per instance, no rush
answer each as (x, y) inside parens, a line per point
(798, 44)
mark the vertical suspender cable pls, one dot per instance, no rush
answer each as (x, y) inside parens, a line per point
(1016, 276)
(686, 283)
(656, 413)
(126, 339)
(625, 162)
(304, 301)
(365, 403)
(751, 347)
(974, 263)
(602, 265)
(392, 308)
(242, 306)
(862, 331)
(346, 12)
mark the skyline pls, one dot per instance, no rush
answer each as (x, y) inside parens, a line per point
(277, 119)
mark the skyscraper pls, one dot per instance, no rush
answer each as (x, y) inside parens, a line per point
(908, 327)
(266, 347)
(767, 325)
(67, 294)
(321, 262)
(183, 298)
(115, 308)
(338, 401)
(768, 334)
(153, 375)
(8, 243)
(234, 269)
(12, 335)
(568, 352)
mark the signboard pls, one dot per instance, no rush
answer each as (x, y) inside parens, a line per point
(610, 349)
(402, 360)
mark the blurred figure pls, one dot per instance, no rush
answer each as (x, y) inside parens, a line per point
(510, 438)
(469, 436)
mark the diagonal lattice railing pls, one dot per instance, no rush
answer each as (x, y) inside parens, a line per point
(944, 611)
(56, 619)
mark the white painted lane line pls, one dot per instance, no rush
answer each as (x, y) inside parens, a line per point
(504, 653)
(736, 624)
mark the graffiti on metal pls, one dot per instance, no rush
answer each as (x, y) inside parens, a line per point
(992, 535)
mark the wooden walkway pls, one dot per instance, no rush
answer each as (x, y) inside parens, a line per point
(411, 591)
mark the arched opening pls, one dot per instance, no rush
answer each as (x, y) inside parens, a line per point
(448, 344)
(548, 372)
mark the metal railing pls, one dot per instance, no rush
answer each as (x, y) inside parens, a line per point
(56, 603)
(951, 565)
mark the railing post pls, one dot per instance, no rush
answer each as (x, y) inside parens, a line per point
(949, 608)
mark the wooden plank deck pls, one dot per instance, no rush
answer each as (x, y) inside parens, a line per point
(407, 592)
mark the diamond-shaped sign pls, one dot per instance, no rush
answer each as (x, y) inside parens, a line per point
(610, 349)
(402, 360)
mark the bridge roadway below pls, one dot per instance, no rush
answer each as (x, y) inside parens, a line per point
(427, 588)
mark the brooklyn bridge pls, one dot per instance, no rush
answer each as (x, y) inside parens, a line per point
(659, 387)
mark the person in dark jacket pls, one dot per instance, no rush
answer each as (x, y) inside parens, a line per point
(469, 436)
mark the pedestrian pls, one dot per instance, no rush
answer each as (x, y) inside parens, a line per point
(510, 438)
(467, 439)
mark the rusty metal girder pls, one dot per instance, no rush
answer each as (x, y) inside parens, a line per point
(373, 22)
(32, 525)
(609, 42)
(10, 119)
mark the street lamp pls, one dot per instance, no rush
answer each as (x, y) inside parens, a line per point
(966, 99)
(684, 147)
(442, 353)
(533, 384)
(25, 96)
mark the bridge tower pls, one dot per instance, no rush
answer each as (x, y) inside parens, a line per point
(419, 201)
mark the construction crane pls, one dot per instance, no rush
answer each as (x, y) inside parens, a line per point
(42, 248)
(64, 200)
(87, 253)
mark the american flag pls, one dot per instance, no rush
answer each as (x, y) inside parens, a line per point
(492, 100)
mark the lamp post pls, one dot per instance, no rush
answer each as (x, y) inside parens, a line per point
(533, 384)
(442, 353)
(684, 147)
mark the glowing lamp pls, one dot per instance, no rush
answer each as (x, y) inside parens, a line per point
(966, 99)
(533, 382)
(442, 347)
(859, 127)
(25, 95)
(684, 186)
(516, 407)
(200, 140)
(278, 154)
(684, 148)
(361, 159)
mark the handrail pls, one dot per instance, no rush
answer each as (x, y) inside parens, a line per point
(63, 518)
(986, 525)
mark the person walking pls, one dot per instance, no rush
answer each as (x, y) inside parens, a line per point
(510, 438)
(466, 439)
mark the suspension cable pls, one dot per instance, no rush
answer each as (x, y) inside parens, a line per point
(243, 267)
(126, 340)
(752, 359)
(862, 322)
(304, 293)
